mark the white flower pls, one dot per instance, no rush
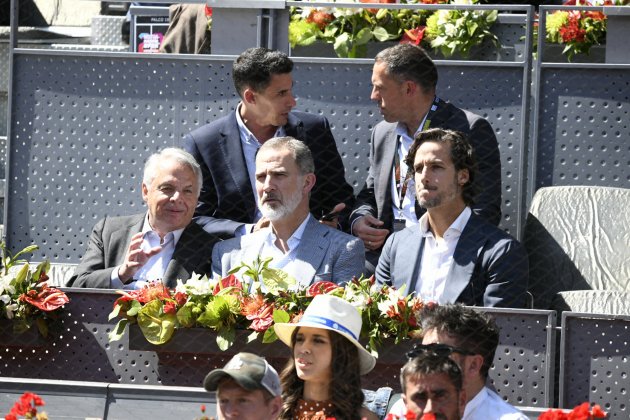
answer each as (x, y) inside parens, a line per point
(393, 296)
(5, 285)
(5, 299)
(10, 309)
(461, 2)
(343, 12)
(197, 285)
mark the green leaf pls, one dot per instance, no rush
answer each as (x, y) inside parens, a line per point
(220, 312)
(342, 45)
(252, 337)
(22, 274)
(134, 308)
(363, 37)
(269, 336)
(276, 280)
(114, 313)
(157, 326)
(380, 34)
(28, 250)
(226, 338)
(118, 331)
(280, 316)
(185, 315)
(42, 326)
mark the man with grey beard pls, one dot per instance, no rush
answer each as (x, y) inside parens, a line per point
(306, 249)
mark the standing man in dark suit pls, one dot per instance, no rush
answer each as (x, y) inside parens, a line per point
(226, 148)
(163, 243)
(404, 80)
(452, 254)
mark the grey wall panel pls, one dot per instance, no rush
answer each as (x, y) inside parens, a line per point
(83, 126)
(584, 127)
(595, 362)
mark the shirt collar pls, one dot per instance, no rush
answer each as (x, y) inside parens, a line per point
(477, 401)
(295, 238)
(247, 136)
(457, 226)
(146, 227)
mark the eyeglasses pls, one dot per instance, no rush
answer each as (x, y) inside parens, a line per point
(439, 349)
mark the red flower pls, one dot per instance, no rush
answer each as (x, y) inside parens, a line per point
(203, 408)
(321, 288)
(229, 281)
(180, 298)
(208, 11)
(413, 36)
(597, 412)
(47, 299)
(572, 31)
(170, 307)
(320, 18)
(262, 319)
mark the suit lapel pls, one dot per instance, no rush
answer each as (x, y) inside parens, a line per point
(121, 238)
(184, 257)
(387, 150)
(311, 251)
(234, 161)
(410, 273)
(294, 128)
(464, 260)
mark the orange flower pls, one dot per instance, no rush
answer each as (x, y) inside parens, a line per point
(413, 36)
(320, 18)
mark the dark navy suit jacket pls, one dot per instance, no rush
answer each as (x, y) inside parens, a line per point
(227, 199)
(490, 268)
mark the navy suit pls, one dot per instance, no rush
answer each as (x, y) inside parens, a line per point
(227, 199)
(489, 268)
(376, 196)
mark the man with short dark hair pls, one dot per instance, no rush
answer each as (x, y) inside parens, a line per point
(431, 384)
(247, 387)
(452, 255)
(162, 244)
(404, 80)
(307, 250)
(226, 148)
(470, 338)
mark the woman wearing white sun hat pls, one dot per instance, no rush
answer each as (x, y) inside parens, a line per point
(322, 377)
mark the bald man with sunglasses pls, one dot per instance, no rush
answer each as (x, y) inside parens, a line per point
(470, 339)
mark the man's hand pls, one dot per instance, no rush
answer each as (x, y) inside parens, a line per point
(368, 229)
(136, 258)
(332, 219)
(263, 222)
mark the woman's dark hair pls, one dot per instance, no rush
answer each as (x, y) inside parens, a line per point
(345, 385)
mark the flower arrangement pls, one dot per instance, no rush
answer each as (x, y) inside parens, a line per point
(265, 296)
(27, 406)
(577, 30)
(25, 296)
(350, 30)
(580, 412)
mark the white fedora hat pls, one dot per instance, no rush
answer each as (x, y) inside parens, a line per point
(331, 313)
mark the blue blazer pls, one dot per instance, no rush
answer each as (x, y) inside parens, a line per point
(324, 253)
(227, 199)
(489, 268)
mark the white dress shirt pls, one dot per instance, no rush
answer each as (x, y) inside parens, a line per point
(281, 260)
(437, 257)
(156, 266)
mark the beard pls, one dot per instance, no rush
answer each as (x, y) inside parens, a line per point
(282, 209)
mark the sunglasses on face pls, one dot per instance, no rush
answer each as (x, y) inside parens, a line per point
(442, 350)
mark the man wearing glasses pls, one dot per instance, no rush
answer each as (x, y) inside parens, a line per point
(432, 388)
(469, 338)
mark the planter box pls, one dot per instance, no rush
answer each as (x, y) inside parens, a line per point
(30, 338)
(552, 53)
(203, 341)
